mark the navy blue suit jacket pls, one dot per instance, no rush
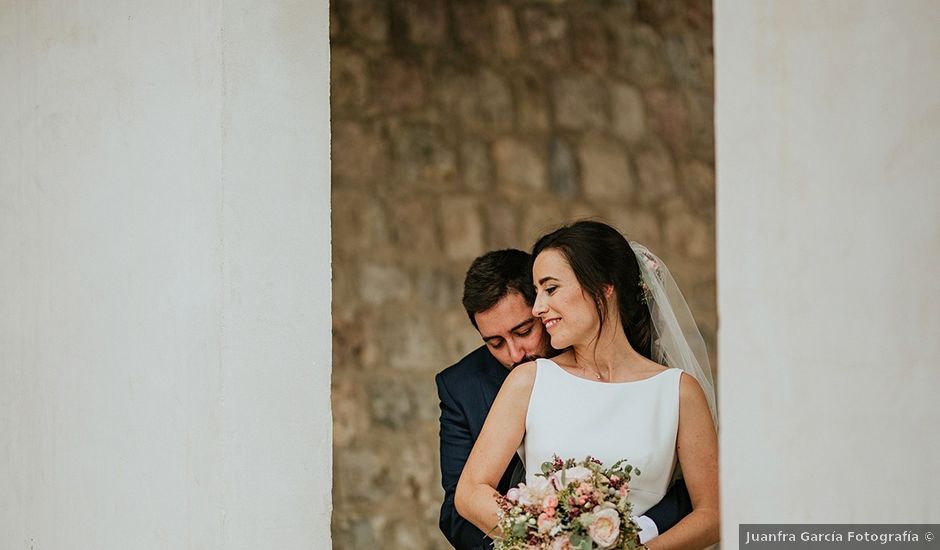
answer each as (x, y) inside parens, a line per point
(466, 391)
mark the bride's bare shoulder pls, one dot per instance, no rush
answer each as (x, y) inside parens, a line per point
(522, 376)
(690, 391)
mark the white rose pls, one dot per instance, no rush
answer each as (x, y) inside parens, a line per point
(524, 496)
(535, 492)
(561, 543)
(540, 488)
(605, 529)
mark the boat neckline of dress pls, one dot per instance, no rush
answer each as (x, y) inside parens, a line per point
(602, 382)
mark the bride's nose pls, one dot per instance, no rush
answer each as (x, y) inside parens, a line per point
(539, 307)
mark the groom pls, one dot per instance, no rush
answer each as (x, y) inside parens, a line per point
(498, 295)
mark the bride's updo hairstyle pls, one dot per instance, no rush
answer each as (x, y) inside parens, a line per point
(599, 256)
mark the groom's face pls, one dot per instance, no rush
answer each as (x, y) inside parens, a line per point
(511, 333)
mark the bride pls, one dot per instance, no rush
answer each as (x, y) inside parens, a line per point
(614, 308)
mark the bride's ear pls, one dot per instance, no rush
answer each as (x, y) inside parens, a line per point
(608, 291)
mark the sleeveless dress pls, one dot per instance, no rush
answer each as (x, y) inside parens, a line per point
(638, 421)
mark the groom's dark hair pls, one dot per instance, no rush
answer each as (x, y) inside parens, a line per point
(494, 275)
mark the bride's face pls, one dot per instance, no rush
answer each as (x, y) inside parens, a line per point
(567, 312)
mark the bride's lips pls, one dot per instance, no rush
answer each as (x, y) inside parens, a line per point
(549, 323)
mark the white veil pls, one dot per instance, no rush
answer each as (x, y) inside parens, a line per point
(677, 341)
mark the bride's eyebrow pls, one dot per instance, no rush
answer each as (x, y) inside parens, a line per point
(543, 280)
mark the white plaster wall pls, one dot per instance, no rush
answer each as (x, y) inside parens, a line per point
(164, 275)
(828, 160)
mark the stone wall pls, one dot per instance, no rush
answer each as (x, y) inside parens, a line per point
(460, 127)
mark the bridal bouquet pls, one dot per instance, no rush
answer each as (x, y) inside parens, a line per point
(570, 506)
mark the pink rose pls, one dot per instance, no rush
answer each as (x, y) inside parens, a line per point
(545, 523)
(561, 543)
(551, 501)
(513, 494)
(605, 529)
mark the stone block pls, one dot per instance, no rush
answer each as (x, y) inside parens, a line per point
(336, 26)
(628, 117)
(355, 346)
(367, 19)
(425, 21)
(359, 153)
(358, 222)
(692, 14)
(689, 235)
(684, 55)
(519, 167)
(583, 211)
(399, 84)
(638, 55)
(350, 411)
(476, 169)
(474, 28)
(459, 336)
(605, 170)
(380, 283)
(656, 173)
(701, 122)
(416, 474)
(697, 179)
(637, 224)
(562, 169)
(506, 32)
(422, 155)
(494, 103)
(480, 101)
(390, 402)
(462, 227)
(502, 224)
(412, 341)
(668, 116)
(438, 288)
(580, 102)
(546, 36)
(360, 475)
(349, 83)
(413, 225)
(590, 45)
(532, 107)
(539, 218)
(688, 232)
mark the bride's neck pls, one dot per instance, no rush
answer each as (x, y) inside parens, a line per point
(608, 352)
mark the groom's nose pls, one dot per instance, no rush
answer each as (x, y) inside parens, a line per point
(516, 351)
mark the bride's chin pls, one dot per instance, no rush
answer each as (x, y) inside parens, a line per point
(557, 342)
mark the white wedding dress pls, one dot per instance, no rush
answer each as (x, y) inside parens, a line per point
(638, 421)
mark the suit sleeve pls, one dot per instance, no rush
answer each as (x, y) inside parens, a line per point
(456, 443)
(672, 508)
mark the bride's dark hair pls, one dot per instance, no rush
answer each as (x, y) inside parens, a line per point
(599, 256)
